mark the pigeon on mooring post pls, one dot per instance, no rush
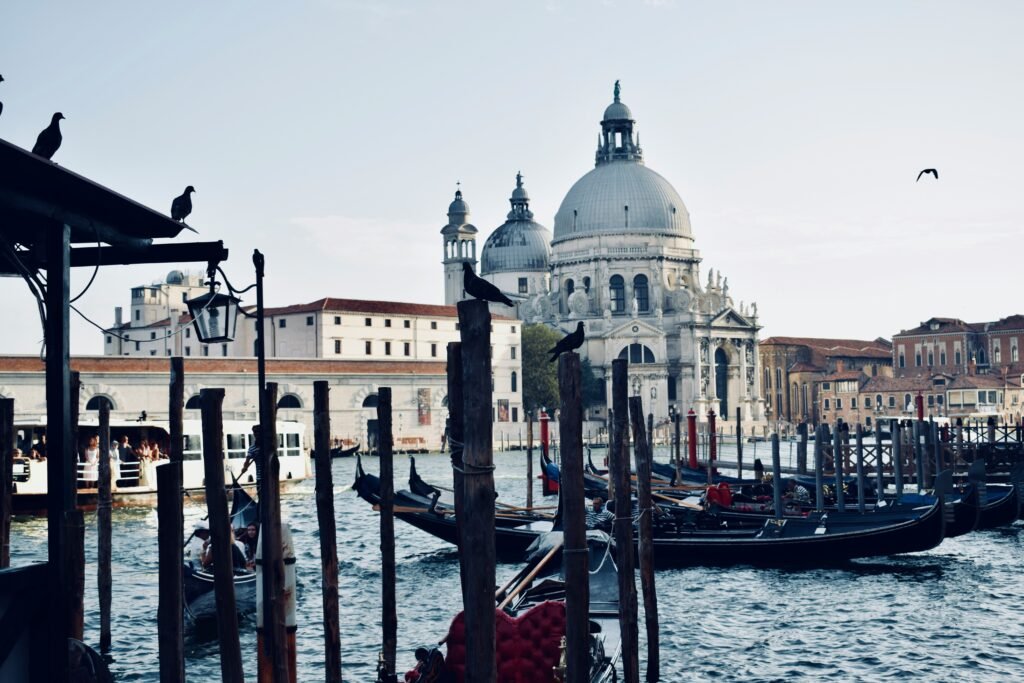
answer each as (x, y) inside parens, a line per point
(181, 207)
(569, 342)
(927, 170)
(479, 288)
(49, 140)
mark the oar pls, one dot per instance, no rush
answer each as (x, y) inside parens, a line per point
(529, 577)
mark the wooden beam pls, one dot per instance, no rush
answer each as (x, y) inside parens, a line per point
(328, 529)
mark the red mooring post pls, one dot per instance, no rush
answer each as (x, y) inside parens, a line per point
(712, 442)
(544, 439)
(691, 438)
(919, 404)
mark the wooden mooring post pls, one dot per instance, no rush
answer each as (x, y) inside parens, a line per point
(478, 486)
(74, 523)
(643, 455)
(739, 443)
(677, 420)
(274, 646)
(861, 479)
(897, 455)
(211, 401)
(104, 534)
(919, 453)
(328, 530)
(574, 550)
(529, 458)
(801, 448)
(618, 469)
(837, 466)
(7, 441)
(456, 436)
(776, 476)
(389, 609)
(169, 583)
(819, 465)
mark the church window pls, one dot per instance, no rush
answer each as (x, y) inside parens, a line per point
(671, 388)
(767, 380)
(637, 354)
(522, 285)
(778, 379)
(617, 288)
(515, 382)
(586, 285)
(640, 292)
(570, 287)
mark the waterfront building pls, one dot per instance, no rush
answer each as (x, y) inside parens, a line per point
(798, 372)
(954, 347)
(622, 259)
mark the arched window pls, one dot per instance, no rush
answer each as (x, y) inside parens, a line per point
(637, 354)
(515, 382)
(907, 402)
(617, 288)
(370, 401)
(767, 380)
(640, 292)
(193, 403)
(96, 401)
(981, 356)
(778, 378)
(586, 285)
(289, 401)
(997, 354)
(570, 287)
(892, 401)
(1013, 354)
(878, 400)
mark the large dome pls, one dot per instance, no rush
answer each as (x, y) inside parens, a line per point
(520, 243)
(597, 203)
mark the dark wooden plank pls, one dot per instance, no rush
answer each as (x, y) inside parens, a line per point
(7, 445)
(273, 664)
(837, 466)
(389, 607)
(529, 459)
(175, 410)
(739, 442)
(75, 529)
(169, 608)
(478, 487)
(776, 476)
(861, 479)
(328, 529)
(618, 469)
(456, 435)
(643, 455)
(211, 402)
(574, 521)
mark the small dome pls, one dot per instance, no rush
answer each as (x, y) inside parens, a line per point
(458, 206)
(175, 277)
(517, 246)
(617, 111)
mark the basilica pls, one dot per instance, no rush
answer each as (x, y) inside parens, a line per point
(622, 259)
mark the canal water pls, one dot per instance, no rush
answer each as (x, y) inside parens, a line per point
(954, 613)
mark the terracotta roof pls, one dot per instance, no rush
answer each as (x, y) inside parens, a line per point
(844, 375)
(1012, 322)
(335, 305)
(805, 367)
(275, 366)
(945, 325)
(859, 348)
(911, 384)
(976, 382)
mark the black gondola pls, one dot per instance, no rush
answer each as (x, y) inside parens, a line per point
(341, 452)
(200, 604)
(814, 540)
(530, 620)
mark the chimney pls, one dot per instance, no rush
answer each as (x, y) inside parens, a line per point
(972, 366)
(840, 365)
(117, 316)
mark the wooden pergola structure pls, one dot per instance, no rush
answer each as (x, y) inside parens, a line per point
(52, 220)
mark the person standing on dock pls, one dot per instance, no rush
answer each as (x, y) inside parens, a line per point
(253, 456)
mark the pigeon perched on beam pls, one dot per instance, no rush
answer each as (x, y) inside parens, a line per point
(569, 342)
(479, 288)
(181, 207)
(927, 170)
(49, 140)
(1, 103)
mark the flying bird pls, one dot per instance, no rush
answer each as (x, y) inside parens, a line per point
(569, 342)
(928, 170)
(181, 207)
(479, 288)
(49, 140)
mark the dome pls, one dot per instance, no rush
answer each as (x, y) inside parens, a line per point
(617, 111)
(517, 246)
(520, 244)
(175, 277)
(458, 205)
(597, 203)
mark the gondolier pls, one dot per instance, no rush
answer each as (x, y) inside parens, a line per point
(253, 455)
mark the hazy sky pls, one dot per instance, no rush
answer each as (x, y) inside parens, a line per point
(330, 135)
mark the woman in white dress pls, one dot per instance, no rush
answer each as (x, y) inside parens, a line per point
(92, 458)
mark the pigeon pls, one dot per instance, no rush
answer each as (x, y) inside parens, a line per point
(569, 342)
(181, 207)
(49, 140)
(928, 170)
(1, 103)
(479, 288)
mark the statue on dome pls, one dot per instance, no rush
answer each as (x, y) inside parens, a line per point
(711, 279)
(753, 308)
(617, 91)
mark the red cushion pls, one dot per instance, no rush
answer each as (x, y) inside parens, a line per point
(526, 648)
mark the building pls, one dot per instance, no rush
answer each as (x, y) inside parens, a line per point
(794, 368)
(950, 346)
(369, 343)
(622, 259)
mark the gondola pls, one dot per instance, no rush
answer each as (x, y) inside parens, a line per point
(200, 603)
(341, 452)
(426, 514)
(549, 474)
(809, 541)
(530, 621)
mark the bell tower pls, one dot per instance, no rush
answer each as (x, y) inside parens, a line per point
(459, 247)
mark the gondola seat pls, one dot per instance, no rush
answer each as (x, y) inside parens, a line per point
(527, 647)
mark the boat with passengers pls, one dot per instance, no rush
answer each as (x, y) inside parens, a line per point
(134, 482)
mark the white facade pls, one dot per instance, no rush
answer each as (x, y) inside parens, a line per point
(623, 260)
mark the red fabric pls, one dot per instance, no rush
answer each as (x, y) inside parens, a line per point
(526, 648)
(725, 494)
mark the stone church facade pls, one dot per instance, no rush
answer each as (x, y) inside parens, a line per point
(622, 260)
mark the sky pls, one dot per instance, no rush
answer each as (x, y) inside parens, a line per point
(330, 134)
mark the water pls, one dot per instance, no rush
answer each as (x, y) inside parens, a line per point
(954, 612)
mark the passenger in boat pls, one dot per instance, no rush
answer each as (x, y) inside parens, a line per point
(127, 456)
(238, 559)
(249, 540)
(598, 517)
(34, 454)
(92, 457)
(253, 456)
(796, 493)
(196, 550)
(40, 446)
